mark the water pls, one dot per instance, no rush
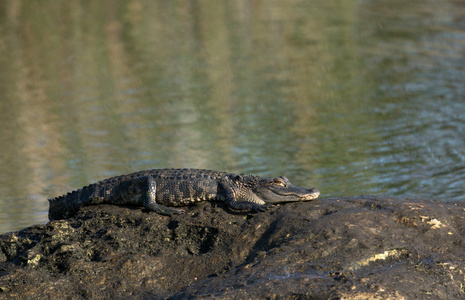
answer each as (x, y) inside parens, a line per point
(352, 97)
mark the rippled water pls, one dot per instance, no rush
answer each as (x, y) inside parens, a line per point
(352, 97)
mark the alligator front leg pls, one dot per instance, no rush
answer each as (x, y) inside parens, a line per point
(149, 197)
(243, 205)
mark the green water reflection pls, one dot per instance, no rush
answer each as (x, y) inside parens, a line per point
(331, 94)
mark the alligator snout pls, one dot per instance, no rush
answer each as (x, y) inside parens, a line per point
(313, 194)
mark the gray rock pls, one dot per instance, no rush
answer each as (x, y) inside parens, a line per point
(367, 247)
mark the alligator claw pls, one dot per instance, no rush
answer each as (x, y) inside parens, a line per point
(175, 211)
(262, 208)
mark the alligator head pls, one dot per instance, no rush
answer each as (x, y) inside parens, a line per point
(280, 189)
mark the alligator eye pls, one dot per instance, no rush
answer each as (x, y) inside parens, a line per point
(279, 182)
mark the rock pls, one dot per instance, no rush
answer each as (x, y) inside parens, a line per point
(367, 247)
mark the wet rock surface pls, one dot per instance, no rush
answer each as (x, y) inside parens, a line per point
(367, 247)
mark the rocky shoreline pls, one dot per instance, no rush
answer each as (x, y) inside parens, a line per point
(367, 247)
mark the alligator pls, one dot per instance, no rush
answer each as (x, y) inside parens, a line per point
(161, 190)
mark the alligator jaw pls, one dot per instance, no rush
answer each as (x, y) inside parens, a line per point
(310, 194)
(314, 193)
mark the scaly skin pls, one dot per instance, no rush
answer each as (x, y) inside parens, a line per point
(161, 190)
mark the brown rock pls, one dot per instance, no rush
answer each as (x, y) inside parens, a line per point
(367, 247)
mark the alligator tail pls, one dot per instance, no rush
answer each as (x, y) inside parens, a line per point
(67, 205)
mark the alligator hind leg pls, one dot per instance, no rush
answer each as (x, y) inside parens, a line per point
(149, 196)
